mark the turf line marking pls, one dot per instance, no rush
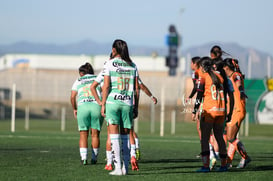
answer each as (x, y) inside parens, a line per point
(76, 138)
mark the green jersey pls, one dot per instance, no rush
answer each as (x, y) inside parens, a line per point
(122, 84)
(82, 86)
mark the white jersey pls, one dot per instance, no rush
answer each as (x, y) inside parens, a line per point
(122, 84)
(82, 87)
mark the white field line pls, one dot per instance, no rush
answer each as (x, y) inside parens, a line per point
(76, 138)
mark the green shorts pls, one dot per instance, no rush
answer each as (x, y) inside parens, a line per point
(89, 116)
(119, 114)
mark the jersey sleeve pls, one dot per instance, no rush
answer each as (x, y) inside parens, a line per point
(75, 85)
(106, 68)
(99, 78)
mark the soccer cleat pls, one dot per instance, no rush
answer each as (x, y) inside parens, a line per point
(212, 163)
(117, 172)
(134, 163)
(223, 169)
(84, 162)
(203, 169)
(108, 167)
(93, 161)
(137, 154)
(244, 162)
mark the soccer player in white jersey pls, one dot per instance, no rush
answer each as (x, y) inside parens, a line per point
(87, 112)
(120, 84)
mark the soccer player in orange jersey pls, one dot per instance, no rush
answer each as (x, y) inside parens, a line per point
(210, 88)
(238, 113)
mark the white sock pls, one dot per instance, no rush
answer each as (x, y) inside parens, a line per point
(83, 153)
(137, 143)
(211, 150)
(217, 155)
(109, 157)
(125, 150)
(95, 152)
(116, 150)
(133, 150)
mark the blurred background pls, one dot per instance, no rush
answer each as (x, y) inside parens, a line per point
(43, 43)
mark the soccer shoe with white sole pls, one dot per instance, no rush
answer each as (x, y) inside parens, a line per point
(244, 162)
(134, 163)
(117, 172)
(108, 167)
(203, 169)
(212, 163)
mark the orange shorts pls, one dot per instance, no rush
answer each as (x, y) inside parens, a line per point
(237, 118)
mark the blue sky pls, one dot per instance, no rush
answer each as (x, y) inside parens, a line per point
(142, 22)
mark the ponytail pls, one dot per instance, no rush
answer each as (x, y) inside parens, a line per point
(206, 63)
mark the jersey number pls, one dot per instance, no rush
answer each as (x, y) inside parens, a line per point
(123, 83)
(86, 91)
(216, 94)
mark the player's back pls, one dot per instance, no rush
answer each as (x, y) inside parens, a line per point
(214, 102)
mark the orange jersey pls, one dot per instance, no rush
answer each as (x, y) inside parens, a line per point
(214, 101)
(239, 104)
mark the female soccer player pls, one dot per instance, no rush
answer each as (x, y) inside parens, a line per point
(216, 54)
(210, 88)
(87, 112)
(195, 66)
(120, 84)
(238, 113)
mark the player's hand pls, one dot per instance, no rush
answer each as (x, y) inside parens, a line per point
(75, 113)
(102, 110)
(228, 118)
(154, 100)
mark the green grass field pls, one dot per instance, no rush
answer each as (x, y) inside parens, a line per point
(46, 153)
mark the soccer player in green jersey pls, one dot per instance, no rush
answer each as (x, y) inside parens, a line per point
(87, 112)
(120, 85)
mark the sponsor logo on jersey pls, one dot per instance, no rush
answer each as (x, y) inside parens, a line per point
(118, 64)
(123, 71)
(122, 97)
